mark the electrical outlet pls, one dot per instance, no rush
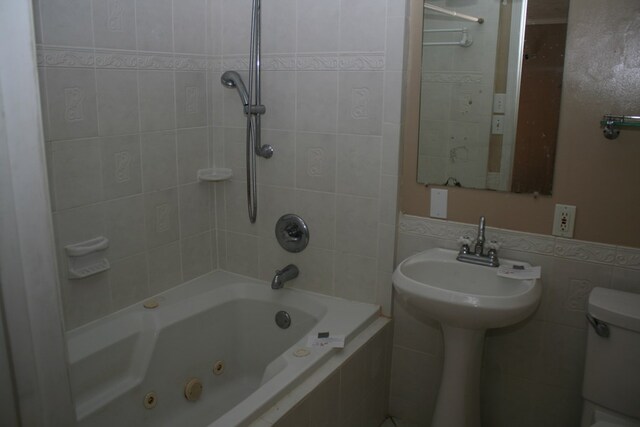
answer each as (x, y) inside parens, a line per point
(564, 220)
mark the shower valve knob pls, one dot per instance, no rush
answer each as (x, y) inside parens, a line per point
(292, 233)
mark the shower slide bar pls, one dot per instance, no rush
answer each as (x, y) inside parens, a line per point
(253, 108)
(444, 11)
(465, 39)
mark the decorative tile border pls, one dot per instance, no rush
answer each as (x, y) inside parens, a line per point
(620, 256)
(153, 61)
(48, 56)
(311, 62)
(585, 251)
(281, 63)
(361, 62)
(62, 57)
(240, 63)
(116, 59)
(525, 242)
(54, 56)
(628, 257)
(190, 63)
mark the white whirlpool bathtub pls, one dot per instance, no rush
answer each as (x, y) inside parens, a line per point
(218, 331)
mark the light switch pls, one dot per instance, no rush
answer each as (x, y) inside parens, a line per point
(497, 124)
(439, 203)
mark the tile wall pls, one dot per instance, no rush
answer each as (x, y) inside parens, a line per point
(127, 113)
(133, 107)
(332, 76)
(532, 371)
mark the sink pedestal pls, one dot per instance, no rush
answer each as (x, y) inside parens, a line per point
(458, 403)
(466, 299)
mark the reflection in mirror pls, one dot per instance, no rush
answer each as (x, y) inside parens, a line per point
(490, 95)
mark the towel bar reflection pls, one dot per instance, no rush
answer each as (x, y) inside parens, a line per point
(611, 123)
(465, 38)
(453, 13)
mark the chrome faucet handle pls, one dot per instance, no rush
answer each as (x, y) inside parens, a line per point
(493, 245)
(465, 240)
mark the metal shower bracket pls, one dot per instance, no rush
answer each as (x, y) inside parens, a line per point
(610, 124)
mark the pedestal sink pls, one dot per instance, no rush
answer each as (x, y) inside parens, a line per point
(467, 300)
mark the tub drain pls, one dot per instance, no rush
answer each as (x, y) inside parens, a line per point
(283, 320)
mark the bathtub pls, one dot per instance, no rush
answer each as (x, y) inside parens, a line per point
(218, 332)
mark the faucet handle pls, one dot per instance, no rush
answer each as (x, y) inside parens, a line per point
(465, 240)
(493, 245)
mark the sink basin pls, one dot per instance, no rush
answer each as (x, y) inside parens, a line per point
(466, 299)
(464, 295)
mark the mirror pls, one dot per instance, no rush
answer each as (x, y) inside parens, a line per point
(490, 93)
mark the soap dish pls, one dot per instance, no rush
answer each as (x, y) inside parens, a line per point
(215, 174)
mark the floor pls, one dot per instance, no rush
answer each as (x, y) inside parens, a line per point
(395, 422)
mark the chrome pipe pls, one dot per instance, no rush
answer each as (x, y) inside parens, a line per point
(253, 132)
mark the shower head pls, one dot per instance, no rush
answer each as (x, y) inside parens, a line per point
(232, 79)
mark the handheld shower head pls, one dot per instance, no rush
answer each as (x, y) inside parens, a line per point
(232, 79)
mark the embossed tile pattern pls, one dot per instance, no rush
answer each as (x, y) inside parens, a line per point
(135, 108)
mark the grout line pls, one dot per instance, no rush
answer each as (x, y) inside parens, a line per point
(142, 192)
(99, 141)
(175, 118)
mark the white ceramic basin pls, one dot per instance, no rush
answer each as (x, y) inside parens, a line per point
(464, 295)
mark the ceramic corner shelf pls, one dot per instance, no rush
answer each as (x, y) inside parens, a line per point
(214, 174)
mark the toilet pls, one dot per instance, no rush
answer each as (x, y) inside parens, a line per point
(611, 382)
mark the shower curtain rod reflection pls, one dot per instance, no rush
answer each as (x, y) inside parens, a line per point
(452, 13)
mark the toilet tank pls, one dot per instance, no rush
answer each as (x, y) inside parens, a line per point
(612, 365)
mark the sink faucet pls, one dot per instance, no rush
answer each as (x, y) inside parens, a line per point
(479, 249)
(477, 256)
(288, 273)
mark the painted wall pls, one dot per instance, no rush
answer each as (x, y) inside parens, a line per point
(133, 107)
(597, 175)
(332, 76)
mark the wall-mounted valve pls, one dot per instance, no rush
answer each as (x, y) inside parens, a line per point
(292, 233)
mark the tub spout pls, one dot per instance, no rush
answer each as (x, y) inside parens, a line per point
(288, 273)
